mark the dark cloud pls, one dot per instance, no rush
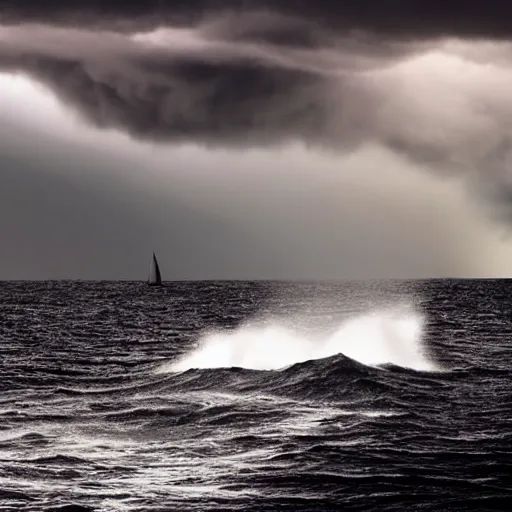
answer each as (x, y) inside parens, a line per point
(257, 74)
(223, 93)
(232, 103)
(391, 18)
(173, 86)
(241, 76)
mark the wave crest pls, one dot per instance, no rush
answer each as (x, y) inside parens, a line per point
(373, 339)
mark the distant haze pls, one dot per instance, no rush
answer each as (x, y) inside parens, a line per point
(254, 140)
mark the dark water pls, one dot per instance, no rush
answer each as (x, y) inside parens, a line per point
(93, 412)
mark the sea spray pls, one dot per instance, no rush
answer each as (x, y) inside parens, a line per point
(391, 336)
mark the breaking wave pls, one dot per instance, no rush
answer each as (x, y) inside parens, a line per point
(384, 337)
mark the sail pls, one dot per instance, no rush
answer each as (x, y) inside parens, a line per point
(155, 277)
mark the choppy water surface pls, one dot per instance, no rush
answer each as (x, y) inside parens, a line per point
(256, 396)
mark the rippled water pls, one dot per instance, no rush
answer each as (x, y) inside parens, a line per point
(256, 396)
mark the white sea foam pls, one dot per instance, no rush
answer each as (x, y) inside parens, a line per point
(392, 336)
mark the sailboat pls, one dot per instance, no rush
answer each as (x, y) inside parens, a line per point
(155, 278)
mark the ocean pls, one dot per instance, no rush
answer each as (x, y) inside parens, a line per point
(256, 396)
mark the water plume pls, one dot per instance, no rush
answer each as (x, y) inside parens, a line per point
(374, 338)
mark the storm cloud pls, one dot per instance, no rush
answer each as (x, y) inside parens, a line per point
(245, 74)
(412, 19)
(424, 83)
(433, 101)
(180, 85)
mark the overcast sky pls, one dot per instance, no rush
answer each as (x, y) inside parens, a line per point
(255, 139)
